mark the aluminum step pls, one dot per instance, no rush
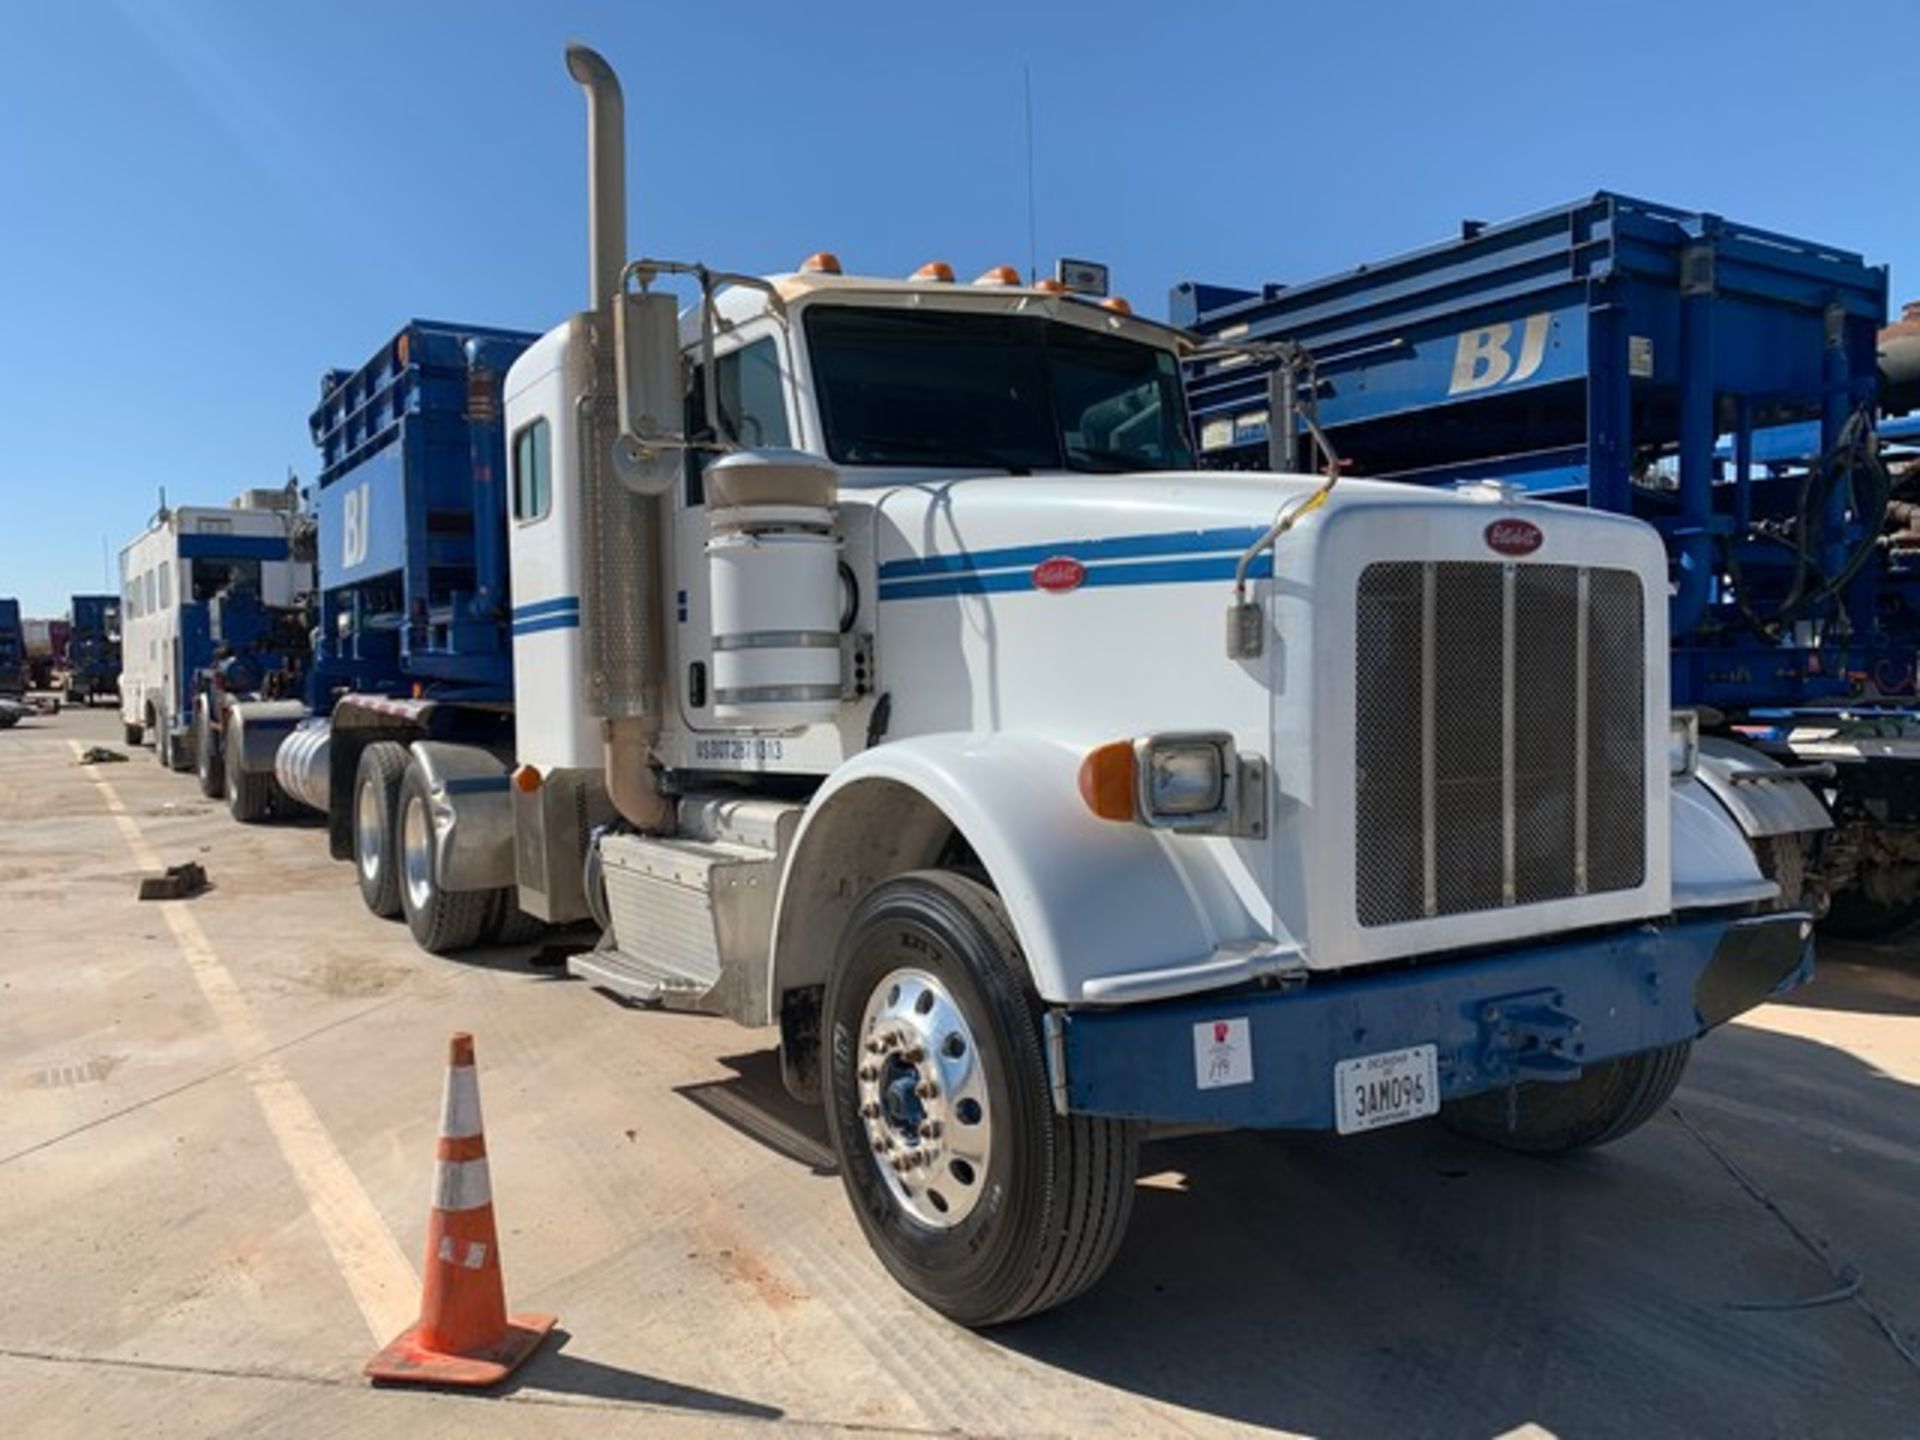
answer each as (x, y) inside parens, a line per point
(634, 979)
(692, 921)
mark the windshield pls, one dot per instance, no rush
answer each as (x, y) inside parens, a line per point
(1015, 392)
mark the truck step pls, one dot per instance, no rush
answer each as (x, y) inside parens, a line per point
(634, 979)
(692, 919)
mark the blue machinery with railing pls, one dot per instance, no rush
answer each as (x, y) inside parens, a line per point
(1721, 382)
(1643, 360)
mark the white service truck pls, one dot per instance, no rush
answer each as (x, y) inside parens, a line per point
(199, 580)
(870, 681)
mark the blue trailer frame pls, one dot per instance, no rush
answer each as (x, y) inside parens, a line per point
(1598, 353)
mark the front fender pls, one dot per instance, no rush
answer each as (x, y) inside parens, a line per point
(1104, 912)
(1713, 863)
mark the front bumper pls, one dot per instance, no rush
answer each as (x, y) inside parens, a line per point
(1539, 1013)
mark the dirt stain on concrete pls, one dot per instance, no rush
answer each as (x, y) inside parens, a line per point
(348, 975)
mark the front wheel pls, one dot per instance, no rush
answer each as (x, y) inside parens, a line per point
(1611, 1099)
(978, 1197)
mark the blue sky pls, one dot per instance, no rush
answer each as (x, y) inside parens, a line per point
(206, 203)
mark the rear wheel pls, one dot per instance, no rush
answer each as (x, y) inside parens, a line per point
(251, 798)
(507, 923)
(1610, 1099)
(1855, 915)
(442, 920)
(206, 755)
(978, 1197)
(376, 824)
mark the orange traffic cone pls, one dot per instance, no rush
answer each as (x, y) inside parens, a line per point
(464, 1336)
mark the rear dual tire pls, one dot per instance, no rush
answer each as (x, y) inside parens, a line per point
(207, 759)
(376, 825)
(442, 920)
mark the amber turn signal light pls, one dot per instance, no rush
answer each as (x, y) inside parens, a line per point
(1109, 781)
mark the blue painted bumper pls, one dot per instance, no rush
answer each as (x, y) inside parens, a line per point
(1515, 1015)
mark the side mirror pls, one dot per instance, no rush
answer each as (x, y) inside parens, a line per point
(647, 456)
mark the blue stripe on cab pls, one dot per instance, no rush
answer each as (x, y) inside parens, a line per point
(559, 605)
(546, 622)
(1117, 547)
(1161, 572)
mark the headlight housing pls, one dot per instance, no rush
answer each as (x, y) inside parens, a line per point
(1182, 778)
(1193, 782)
(1683, 743)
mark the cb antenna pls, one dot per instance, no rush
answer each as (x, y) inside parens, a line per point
(1033, 271)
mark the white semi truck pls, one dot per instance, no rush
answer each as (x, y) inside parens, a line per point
(871, 681)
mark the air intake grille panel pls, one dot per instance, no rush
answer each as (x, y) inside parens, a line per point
(1500, 745)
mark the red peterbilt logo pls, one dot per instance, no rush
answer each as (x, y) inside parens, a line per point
(1059, 574)
(1514, 537)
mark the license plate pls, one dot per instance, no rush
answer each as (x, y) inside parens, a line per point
(1386, 1089)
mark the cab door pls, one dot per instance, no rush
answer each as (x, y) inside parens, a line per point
(754, 397)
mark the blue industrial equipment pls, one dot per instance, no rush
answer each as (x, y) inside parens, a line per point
(410, 509)
(13, 650)
(93, 648)
(1597, 353)
(1719, 381)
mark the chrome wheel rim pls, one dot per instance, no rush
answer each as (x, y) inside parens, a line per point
(370, 839)
(416, 854)
(923, 1098)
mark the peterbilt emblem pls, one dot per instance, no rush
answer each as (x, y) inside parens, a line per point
(1514, 537)
(1059, 574)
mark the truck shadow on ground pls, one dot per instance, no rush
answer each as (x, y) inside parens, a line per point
(1877, 977)
(553, 1370)
(1412, 1282)
(1415, 1283)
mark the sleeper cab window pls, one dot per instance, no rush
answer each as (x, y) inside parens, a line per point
(532, 471)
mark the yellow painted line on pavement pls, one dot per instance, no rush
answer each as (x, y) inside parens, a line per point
(382, 1283)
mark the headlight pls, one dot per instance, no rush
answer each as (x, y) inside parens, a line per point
(1195, 782)
(1184, 778)
(1683, 742)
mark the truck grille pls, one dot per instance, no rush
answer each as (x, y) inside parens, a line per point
(1500, 746)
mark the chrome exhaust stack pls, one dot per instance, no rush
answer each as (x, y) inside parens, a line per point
(621, 535)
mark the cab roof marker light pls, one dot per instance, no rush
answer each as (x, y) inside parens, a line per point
(1050, 286)
(936, 271)
(998, 275)
(1117, 305)
(821, 262)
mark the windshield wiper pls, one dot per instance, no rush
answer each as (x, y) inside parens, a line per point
(1106, 462)
(876, 449)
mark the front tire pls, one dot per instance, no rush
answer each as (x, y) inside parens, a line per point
(980, 1199)
(1611, 1099)
(442, 920)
